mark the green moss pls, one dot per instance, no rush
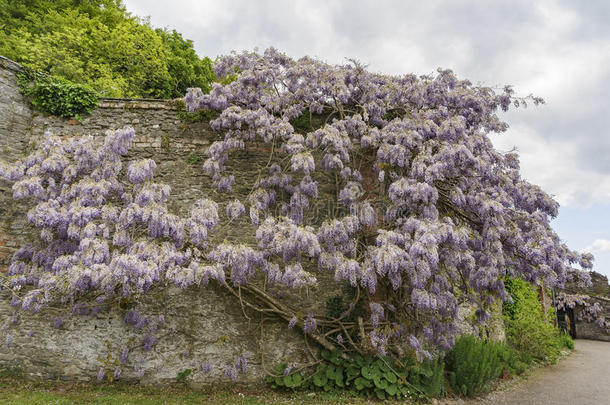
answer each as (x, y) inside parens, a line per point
(193, 158)
(165, 138)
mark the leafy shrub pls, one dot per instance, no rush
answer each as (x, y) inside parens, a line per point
(566, 340)
(528, 329)
(474, 363)
(533, 336)
(382, 377)
(513, 361)
(57, 96)
(182, 376)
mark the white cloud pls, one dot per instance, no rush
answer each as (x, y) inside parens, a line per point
(559, 50)
(555, 166)
(598, 245)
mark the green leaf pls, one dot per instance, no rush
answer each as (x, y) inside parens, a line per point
(426, 370)
(288, 381)
(380, 393)
(335, 357)
(320, 380)
(325, 354)
(330, 371)
(367, 373)
(392, 389)
(339, 377)
(297, 379)
(352, 372)
(390, 376)
(382, 366)
(380, 382)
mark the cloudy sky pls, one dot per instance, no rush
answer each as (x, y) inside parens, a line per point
(559, 50)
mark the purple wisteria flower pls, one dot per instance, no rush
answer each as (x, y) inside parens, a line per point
(309, 324)
(241, 364)
(124, 355)
(149, 342)
(141, 170)
(231, 372)
(206, 368)
(235, 209)
(58, 322)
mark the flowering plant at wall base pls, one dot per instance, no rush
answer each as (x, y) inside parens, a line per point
(426, 214)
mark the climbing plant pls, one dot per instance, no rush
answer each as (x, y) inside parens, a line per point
(590, 312)
(56, 96)
(423, 214)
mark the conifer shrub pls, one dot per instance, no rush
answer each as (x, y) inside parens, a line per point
(473, 364)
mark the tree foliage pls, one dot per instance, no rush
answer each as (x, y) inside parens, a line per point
(98, 43)
(426, 215)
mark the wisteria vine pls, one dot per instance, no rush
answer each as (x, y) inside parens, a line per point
(590, 312)
(427, 214)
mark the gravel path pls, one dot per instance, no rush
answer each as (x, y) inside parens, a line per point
(581, 379)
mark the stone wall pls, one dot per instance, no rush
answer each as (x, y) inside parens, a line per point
(201, 325)
(15, 122)
(589, 330)
(599, 292)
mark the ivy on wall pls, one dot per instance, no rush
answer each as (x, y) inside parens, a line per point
(55, 95)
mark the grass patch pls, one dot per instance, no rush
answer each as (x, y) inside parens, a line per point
(16, 390)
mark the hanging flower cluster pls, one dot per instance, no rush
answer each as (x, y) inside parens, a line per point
(97, 233)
